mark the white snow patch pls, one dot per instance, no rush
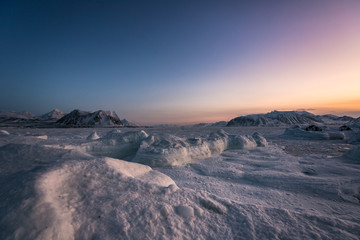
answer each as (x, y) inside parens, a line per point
(4, 133)
(43, 137)
(141, 172)
(169, 150)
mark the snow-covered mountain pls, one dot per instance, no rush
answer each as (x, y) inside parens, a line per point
(12, 116)
(276, 118)
(330, 118)
(127, 123)
(53, 115)
(216, 124)
(355, 122)
(101, 118)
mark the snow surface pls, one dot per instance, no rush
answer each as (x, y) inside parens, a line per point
(236, 184)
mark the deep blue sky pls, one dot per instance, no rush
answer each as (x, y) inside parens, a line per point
(151, 61)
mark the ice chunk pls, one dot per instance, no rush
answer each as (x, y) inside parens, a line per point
(169, 150)
(116, 144)
(93, 136)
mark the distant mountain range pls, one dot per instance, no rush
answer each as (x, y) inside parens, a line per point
(53, 115)
(100, 118)
(56, 118)
(15, 116)
(283, 118)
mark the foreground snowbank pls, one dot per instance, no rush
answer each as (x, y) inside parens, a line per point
(57, 192)
(99, 198)
(166, 149)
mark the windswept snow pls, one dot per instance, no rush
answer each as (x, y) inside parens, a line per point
(242, 183)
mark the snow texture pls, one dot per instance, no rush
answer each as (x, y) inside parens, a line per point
(234, 188)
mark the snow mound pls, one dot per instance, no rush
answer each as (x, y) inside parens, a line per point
(141, 172)
(297, 132)
(276, 118)
(169, 150)
(93, 136)
(116, 144)
(4, 133)
(260, 140)
(99, 118)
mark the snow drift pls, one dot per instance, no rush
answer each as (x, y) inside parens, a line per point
(54, 192)
(168, 150)
(116, 144)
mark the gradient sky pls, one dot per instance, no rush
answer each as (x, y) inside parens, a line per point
(180, 61)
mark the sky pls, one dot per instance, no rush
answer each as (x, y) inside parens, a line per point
(180, 61)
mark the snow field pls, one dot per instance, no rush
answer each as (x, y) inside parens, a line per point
(208, 185)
